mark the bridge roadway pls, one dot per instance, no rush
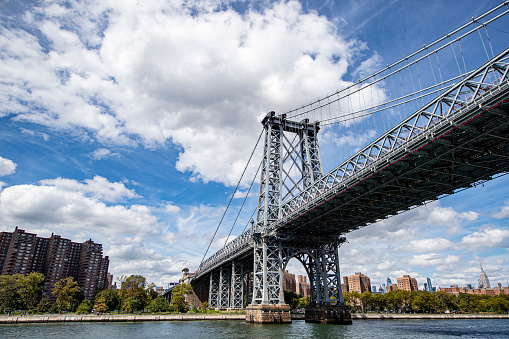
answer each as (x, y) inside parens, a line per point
(452, 143)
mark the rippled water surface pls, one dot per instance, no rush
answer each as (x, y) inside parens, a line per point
(478, 328)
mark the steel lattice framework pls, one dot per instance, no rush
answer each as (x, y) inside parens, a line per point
(453, 142)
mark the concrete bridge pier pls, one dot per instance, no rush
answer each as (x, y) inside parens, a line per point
(268, 314)
(329, 314)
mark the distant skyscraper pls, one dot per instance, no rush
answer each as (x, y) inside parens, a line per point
(429, 285)
(484, 282)
(389, 282)
(383, 288)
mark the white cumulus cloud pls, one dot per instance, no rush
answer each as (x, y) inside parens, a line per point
(196, 73)
(486, 237)
(7, 166)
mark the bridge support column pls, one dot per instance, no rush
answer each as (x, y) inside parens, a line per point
(329, 314)
(237, 284)
(214, 289)
(327, 304)
(224, 287)
(268, 305)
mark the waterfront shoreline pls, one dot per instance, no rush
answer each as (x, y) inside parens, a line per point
(55, 318)
(26, 319)
(436, 316)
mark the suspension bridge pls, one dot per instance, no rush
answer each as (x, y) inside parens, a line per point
(429, 125)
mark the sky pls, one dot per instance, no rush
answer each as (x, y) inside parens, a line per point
(130, 123)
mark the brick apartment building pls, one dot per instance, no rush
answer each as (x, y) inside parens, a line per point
(356, 283)
(407, 284)
(303, 287)
(56, 258)
(289, 282)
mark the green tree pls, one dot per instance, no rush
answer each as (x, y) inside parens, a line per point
(347, 298)
(498, 305)
(365, 298)
(393, 300)
(110, 298)
(44, 306)
(9, 295)
(377, 302)
(292, 299)
(427, 302)
(84, 307)
(304, 301)
(132, 304)
(159, 304)
(30, 289)
(178, 299)
(67, 292)
(100, 305)
(132, 293)
(446, 301)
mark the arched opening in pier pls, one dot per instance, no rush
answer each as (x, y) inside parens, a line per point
(296, 280)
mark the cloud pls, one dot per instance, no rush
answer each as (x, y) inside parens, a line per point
(405, 225)
(432, 259)
(98, 187)
(102, 153)
(171, 208)
(7, 166)
(64, 204)
(503, 213)
(387, 265)
(127, 259)
(429, 245)
(486, 237)
(195, 73)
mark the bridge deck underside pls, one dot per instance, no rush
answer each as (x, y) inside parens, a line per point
(475, 150)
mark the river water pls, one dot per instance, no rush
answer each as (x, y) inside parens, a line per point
(478, 328)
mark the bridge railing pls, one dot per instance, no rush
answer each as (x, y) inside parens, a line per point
(419, 127)
(237, 246)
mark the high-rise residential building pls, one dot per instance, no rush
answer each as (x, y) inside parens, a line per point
(303, 287)
(484, 282)
(289, 282)
(407, 284)
(357, 283)
(56, 258)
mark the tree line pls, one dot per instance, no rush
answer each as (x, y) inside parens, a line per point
(23, 293)
(426, 302)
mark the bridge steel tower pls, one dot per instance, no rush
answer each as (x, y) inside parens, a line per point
(298, 164)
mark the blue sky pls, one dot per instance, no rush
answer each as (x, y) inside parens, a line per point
(130, 123)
